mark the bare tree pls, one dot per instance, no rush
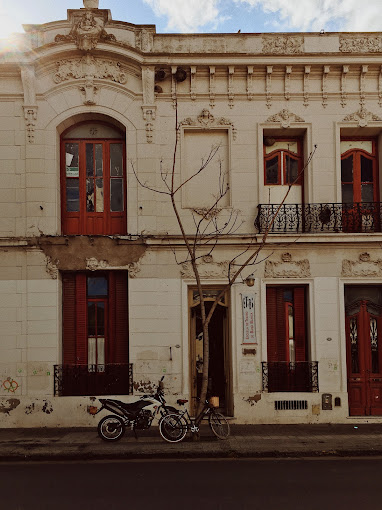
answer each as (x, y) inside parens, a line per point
(208, 230)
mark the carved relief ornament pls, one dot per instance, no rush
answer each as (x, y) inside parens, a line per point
(144, 40)
(287, 268)
(285, 117)
(362, 117)
(89, 67)
(207, 269)
(368, 44)
(283, 44)
(207, 121)
(87, 30)
(51, 268)
(364, 266)
(93, 264)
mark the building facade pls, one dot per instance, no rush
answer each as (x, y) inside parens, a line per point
(96, 294)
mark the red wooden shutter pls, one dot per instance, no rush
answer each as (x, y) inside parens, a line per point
(299, 324)
(81, 320)
(272, 324)
(281, 325)
(118, 351)
(69, 319)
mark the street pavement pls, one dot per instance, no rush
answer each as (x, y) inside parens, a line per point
(245, 441)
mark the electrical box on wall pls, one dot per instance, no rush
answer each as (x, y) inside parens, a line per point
(327, 402)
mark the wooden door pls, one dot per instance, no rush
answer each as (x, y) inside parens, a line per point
(364, 358)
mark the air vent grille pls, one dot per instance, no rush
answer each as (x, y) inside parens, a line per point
(287, 405)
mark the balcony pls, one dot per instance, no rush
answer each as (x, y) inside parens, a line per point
(320, 218)
(83, 380)
(293, 377)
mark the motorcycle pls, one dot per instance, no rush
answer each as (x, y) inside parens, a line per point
(136, 415)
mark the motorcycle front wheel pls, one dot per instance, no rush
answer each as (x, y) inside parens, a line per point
(172, 428)
(111, 428)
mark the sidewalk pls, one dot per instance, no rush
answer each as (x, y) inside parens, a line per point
(257, 441)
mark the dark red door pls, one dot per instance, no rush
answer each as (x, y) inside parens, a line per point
(364, 358)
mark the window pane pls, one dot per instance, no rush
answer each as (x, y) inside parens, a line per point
(97, 286)
(89, 159)
(71, 159)
(90, 195)
(291, 169)
(72, 195)
(347, 169)
(116, 160)
(100, 354)
(116, 195)
(100, 319)
(367, 192)
(272, 171)
(347, 194)
(366, 169)
(91, 319)
(99, 160)
(99, 195)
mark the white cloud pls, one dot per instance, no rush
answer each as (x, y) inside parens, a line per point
(187, 15)
(306, 15)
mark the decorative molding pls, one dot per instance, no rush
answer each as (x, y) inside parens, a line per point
(93, 264)
(89, 67)
(288, 72)
(148, 85)
(144, 40)
(283, 45)
(193, 83)
(87, 30)
(149, 114)
(362, 117)
(250, 91)
(268, 86)
(231, 93)
(306, 85)
(287, 268)
(380, 87)
(28, 79)
(286, 118)
(362, 79)
(325, 74)
(30, 115)
(364, 266)
(207, 121)
(212, 86)
(207, 212)
(90, 91)
(207, 269)
(367, 44)
(345, 70)
(51, 268)
(174, 86)
(133, 269)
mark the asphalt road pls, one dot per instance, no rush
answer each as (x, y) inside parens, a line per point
(279, 484)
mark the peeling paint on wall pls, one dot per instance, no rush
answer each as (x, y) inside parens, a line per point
(47, 407)
(29, 409)
(253, 400)
(144, 386)
(9, 406)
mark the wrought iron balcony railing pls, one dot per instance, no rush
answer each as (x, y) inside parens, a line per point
(82, 380)
(320, 218)
(287, 376)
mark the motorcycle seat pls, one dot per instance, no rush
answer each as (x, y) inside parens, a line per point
(182, 401)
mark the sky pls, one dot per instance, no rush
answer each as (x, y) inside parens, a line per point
(209, 16)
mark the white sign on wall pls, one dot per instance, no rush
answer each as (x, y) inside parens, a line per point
(248, 304)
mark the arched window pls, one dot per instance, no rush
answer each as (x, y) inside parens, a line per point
(93, 180)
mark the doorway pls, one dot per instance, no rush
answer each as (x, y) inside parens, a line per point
(219, 372)
(363, 310)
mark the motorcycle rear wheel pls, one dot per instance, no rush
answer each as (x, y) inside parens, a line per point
(172, 428)
(111, 428)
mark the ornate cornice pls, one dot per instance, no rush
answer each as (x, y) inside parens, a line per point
(364, 266)
(287, 268)
(207, 121)
(367, 44)
(207, 268)
(283, 44)
(285, 117)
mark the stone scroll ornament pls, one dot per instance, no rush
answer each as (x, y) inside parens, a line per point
(285, 117)
(287, 268)
(283, 45)
(364, 266)
(362, 117)
(366, 44)
(207, 121)
(87, 31)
